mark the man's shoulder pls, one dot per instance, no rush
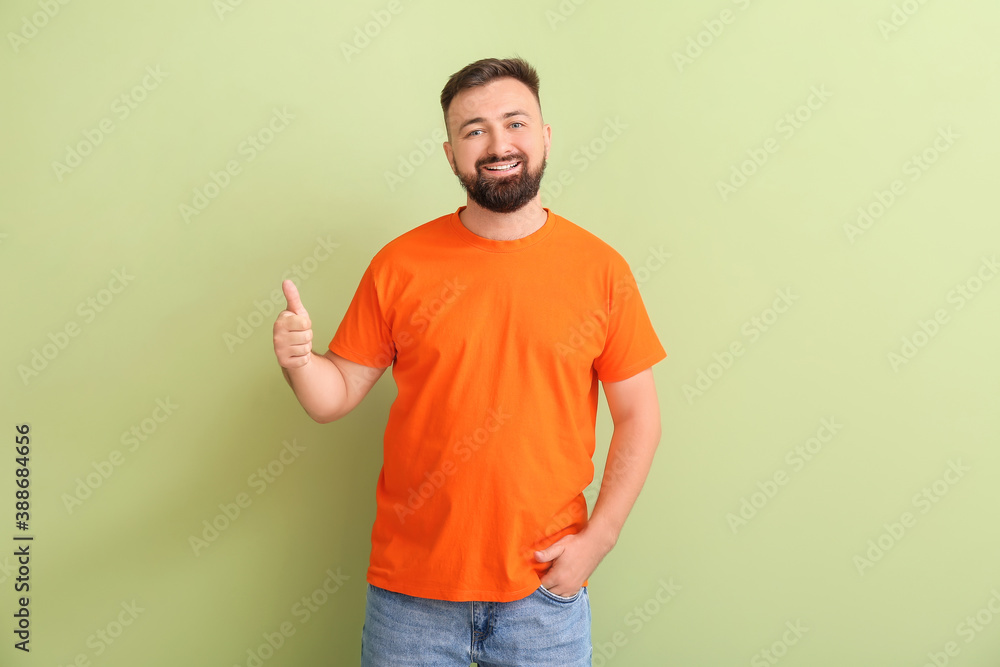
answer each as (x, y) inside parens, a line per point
(411, 242)
(580, 232)
(584, 239)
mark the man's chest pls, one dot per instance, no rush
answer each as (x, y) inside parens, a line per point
(478, 315)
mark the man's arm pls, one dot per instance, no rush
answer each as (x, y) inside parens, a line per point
(635, 411)
(330, 386)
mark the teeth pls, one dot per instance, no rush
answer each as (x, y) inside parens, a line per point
(510, 166)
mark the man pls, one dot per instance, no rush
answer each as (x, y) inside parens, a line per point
(498, 321)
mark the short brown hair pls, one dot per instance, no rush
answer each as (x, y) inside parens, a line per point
(483, 72)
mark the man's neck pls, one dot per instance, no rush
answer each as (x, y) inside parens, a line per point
(503, 226)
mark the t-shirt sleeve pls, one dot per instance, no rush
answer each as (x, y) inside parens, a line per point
(631, 345)
(363, 336)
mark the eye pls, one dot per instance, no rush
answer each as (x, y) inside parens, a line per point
(472, 133)
(516, 122)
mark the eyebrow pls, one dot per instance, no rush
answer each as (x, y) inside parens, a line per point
(516, 112)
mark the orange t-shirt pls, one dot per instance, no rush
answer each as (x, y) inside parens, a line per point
(496, 349)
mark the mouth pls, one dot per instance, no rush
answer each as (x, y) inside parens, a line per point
(503, 167)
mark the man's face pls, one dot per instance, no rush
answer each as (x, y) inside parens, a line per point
(498, 125)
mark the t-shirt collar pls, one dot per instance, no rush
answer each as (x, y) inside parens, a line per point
(494, 245)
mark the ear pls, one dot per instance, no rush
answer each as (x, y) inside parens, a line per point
(451, 157)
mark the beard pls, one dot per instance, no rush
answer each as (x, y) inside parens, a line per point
(503, 193)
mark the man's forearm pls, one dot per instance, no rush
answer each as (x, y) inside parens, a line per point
(630, 457)
(320, 388)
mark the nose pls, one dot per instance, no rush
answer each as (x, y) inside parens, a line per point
(499, 146)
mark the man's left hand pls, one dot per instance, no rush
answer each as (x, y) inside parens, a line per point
(574, 558)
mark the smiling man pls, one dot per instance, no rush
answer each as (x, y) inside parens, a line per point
(498, 320)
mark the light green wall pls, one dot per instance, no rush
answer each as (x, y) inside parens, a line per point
(882, 94)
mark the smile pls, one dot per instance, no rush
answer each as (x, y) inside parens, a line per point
(503, 167)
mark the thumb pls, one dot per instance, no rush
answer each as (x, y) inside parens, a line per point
(292, 297)
(550, 553)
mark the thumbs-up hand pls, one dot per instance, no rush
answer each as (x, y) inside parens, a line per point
(293, 330)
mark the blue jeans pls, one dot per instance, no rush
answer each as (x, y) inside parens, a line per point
(542, 629)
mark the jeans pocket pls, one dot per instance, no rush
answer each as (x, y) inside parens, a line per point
(558, 598)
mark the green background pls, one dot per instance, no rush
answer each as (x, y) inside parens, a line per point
(889, 89)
